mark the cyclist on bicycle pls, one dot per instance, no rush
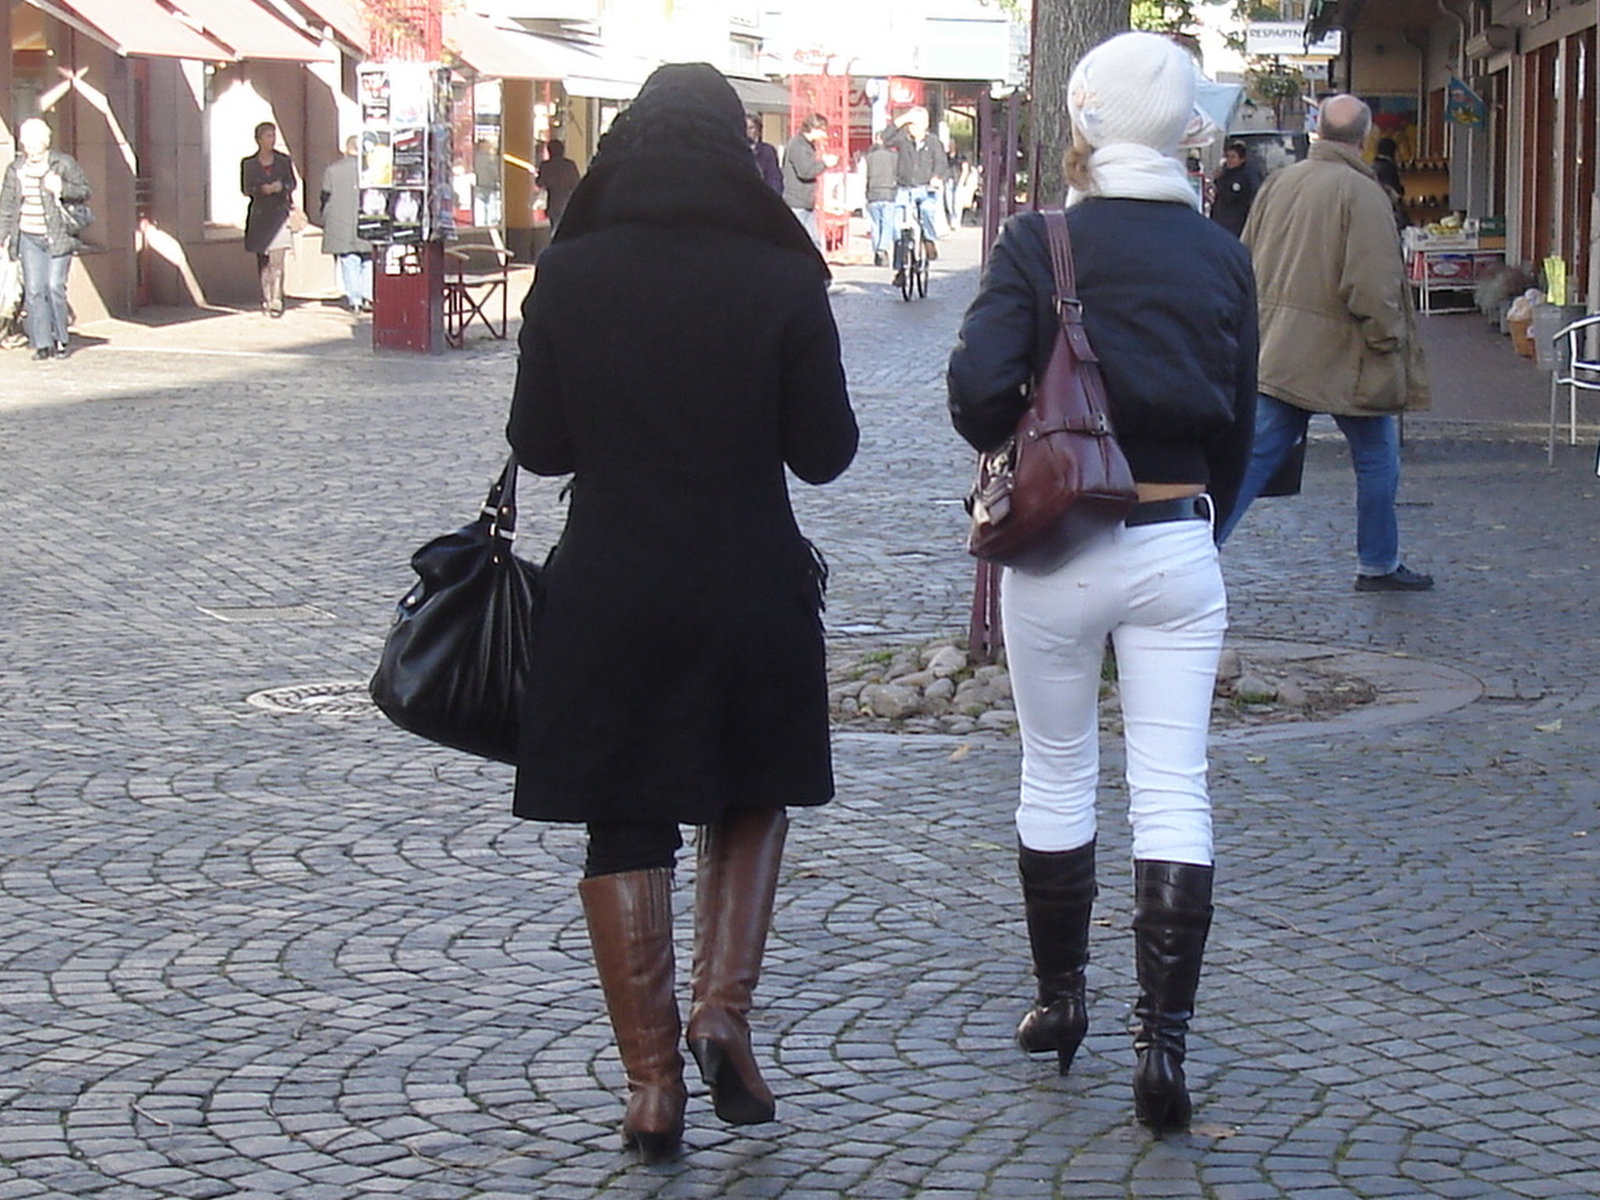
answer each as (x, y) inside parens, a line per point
(921, 170)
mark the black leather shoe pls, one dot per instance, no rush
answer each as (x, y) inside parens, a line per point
(41, 354)
(1401, 579)
(62, 350)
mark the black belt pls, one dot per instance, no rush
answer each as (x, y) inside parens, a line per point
(1156, 512)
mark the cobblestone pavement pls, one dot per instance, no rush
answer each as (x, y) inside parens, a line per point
(247, 953)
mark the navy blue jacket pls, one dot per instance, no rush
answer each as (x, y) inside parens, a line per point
(1169, 303)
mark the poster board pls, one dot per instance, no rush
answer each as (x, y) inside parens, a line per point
(405, 174)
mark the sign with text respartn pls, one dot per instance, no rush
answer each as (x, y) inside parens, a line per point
(1287, 39)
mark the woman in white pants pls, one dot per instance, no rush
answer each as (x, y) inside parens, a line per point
(1169, 305)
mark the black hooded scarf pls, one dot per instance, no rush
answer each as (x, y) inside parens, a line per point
(678, 156)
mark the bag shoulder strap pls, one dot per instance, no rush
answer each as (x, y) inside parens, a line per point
(1055, 223)
(1068, 307)
(500, 507)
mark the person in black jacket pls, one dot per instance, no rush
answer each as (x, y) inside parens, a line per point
(678, 675)
(1388, 173)
(1168, 301)
(803, 164)
(1236, 187)
(921, 166)
(268, 178)
(43, 208)
(883, 167)
(764, 152)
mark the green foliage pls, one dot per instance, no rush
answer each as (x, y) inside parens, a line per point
(1275, 85)
(1160, 16)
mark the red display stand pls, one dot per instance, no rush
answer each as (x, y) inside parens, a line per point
(408, 303)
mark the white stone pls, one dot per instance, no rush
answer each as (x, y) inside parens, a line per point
(1292, 694)
(889, 700)
(1251, 688)
(947, 660)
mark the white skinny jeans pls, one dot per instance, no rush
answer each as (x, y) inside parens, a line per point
(1157, 591)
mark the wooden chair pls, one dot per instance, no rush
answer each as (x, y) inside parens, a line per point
(476, 274)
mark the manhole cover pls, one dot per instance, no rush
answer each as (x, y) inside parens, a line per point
(344, 698)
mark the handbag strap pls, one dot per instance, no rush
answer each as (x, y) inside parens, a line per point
(500, 507)
(1068, 306)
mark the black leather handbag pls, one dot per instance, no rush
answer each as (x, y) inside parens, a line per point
(455, 661)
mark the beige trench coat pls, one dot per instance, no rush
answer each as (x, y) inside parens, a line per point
(1338, 329)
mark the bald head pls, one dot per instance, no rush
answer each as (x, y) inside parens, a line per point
(1344, 119)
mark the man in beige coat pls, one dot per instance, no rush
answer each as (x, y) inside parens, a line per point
(1338, 332)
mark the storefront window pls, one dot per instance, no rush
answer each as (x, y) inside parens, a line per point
(478, 165)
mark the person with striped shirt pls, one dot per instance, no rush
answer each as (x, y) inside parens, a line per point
(43, 208)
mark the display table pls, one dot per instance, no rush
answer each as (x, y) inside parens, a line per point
(1456, 270)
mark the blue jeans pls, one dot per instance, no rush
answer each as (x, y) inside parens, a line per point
(355, 276)
(44, 286)
(929, 204)
(881, 215)
(1374, 452)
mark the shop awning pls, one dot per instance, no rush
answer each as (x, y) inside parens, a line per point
(346, 18)
(510, 53)
(249, 30)
(610, 76)
(135, 27)
(761, 95)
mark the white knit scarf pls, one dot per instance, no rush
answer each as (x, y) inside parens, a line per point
(1130, 171)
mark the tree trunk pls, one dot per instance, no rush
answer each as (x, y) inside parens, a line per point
(1063, 30)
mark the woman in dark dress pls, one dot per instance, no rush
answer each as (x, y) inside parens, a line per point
(268, 178)
(677, 353)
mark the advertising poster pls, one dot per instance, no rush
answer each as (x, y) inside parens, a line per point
(405, 174)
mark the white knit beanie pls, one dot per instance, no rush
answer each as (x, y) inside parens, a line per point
(1135, 87)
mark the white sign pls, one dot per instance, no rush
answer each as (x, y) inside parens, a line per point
(1288, 39)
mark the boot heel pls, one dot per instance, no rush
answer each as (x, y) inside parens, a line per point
(654, 1147)
(1161, 1094)
(1061, 1027)
(732, 1100)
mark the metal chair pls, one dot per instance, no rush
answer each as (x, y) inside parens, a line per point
(1574, 369)
(476, 272)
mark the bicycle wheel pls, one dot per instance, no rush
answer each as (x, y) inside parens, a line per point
(908, 266)
(922, 274)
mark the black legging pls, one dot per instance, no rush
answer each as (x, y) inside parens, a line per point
(618, 846)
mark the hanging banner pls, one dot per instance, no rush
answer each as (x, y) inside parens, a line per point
(1463, 106)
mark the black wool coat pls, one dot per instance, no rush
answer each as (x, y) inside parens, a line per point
(268, 210)
(676, 360)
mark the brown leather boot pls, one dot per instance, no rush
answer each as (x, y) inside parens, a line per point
(738, 880)
(630, 928)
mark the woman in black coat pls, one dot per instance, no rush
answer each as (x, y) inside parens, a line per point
(268, 178)
(677, 353)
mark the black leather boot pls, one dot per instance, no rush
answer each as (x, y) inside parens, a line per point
(1057, 894)
(1171, 916)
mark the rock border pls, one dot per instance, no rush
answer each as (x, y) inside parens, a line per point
(1266, 689)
